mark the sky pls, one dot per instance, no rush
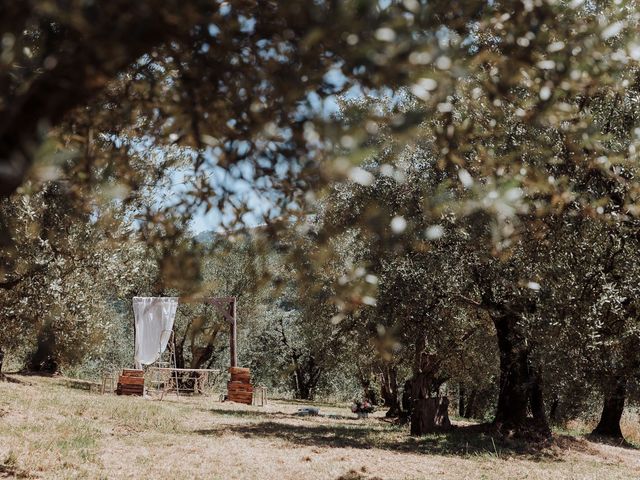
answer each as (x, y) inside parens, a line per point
(214, 220)
(243, 190)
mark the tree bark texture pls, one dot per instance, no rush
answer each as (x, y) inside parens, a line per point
(519, 387)
(428, 414)
(612, 408)
(389, 390)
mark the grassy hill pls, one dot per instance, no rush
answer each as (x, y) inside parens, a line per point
(57, 428)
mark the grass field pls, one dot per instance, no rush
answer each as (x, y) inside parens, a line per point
(48, 429)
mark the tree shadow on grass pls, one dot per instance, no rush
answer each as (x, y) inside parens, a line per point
(271, 414)
(227, 412)
(471, 440)
(65, 382)
(6, 377)
(312, 403)
(8, 471)
(614, 442)
(78, 384)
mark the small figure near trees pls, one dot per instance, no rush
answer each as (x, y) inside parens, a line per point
(362, 408)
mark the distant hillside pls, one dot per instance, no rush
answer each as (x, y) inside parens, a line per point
(206, 237)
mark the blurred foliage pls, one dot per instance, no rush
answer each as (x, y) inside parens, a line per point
(67, 275)
(451, 187)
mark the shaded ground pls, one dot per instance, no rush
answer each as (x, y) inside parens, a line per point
(49, 429)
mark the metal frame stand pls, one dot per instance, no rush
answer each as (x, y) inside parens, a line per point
(170, 363)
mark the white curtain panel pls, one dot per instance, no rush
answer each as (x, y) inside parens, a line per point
(154, 318)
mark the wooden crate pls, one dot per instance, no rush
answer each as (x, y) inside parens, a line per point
(131, 382)
(239, 370)
(136, 390)
(239, 388)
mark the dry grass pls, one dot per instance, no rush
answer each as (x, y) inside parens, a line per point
(48, 430)
(630, 426)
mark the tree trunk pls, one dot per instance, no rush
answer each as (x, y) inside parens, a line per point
(364, 377)
(428, 413)
(407, 402)
(303, 389)
(1, 359)
(518, 386)
(305, 378)
(370, 395)
(389, 390)
(609, 424)
(201, 355)
(513, 397)
(469, 411)
(180, 355)
(44, 360)
(537, 403)
(461, 399)
(553, 410)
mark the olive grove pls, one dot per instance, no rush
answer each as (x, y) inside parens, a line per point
(450, 191)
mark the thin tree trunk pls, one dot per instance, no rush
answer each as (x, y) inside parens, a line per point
(461, 399)
(613, 406)
(389, 390)
(407, 402)
(364, 377)
(469, 411)
(553, 410)
(306, 377)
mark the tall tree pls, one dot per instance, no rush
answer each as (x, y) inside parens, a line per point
(58, 284)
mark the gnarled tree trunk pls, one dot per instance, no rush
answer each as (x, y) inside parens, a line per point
(518, 386)
(407, 402)
(428, 413)
(609, 424)
(433, 415)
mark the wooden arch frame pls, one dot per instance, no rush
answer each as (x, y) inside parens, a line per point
(226, 306)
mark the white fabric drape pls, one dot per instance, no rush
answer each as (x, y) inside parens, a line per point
(154, 318)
